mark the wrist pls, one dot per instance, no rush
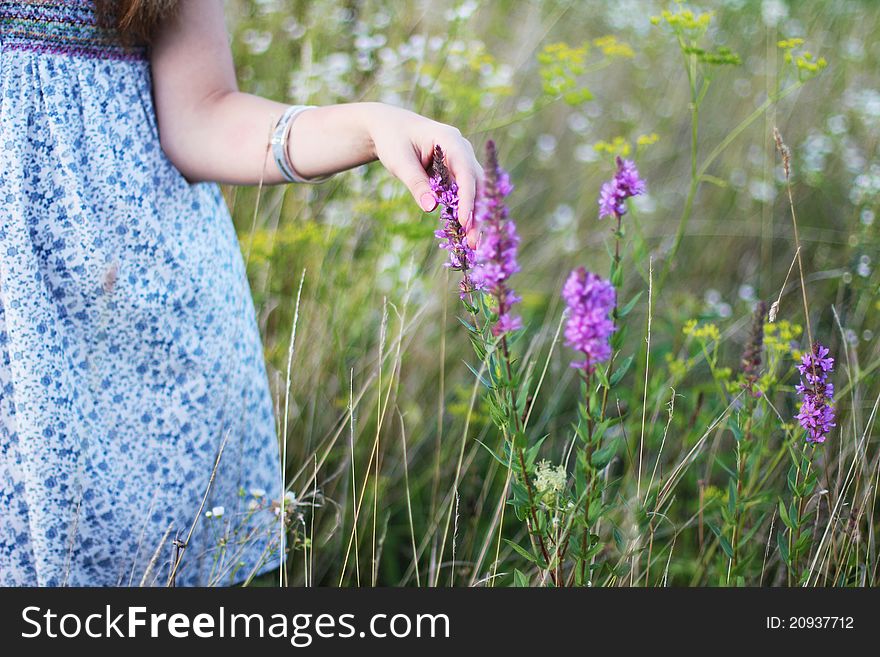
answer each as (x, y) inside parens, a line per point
(282, 145)
(370, 115)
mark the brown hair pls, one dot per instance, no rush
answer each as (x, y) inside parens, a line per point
(136, 20)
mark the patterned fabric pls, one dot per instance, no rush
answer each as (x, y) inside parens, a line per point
(61, 26)
(129, 350)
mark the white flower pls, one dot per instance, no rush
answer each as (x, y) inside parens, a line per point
(773, 11)
(746, 292)
(290, 497)
(258, 492)
(550, 480)
(217, 511)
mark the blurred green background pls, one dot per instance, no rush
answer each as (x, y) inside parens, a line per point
(377, 329)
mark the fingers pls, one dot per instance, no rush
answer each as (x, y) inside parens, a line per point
(462, 164)
(415, 178)
(469, 176)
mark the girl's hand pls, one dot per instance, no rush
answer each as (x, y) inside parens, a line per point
(404, 142)
(212, 131)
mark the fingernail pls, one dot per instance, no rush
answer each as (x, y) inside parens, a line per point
(427, 202)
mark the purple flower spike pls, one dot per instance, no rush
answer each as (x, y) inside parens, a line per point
(817, 412)
(625, 184)
(496, 253)
(590, 300)
(451, 234)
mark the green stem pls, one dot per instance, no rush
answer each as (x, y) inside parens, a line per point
(590, 477)
(740, 476)
(698, 172)
(614, 267)
(534, 531)
(801, 502)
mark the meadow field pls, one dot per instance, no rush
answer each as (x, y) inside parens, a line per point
(424, 449)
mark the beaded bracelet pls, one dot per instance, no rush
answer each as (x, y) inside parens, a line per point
(280, 136)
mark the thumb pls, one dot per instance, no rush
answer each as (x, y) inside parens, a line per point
(416, 180)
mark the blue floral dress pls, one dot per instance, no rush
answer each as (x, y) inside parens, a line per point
(129, 352)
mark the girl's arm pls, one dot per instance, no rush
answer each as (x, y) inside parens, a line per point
(212, 131)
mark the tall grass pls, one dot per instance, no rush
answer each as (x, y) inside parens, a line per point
(383, 413)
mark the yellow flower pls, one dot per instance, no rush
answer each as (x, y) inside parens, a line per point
(611, 47)
(617, 146)
(805, 63)
(678, 367)
(683, 19)
(789, 44)
(705, 333)
(560, 67)
(712, 493)
(779, 336)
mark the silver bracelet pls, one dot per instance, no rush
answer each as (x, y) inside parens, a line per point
(280, 137)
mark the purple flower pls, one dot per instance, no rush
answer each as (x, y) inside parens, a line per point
(451, 234)
(816, 412)
(625, 184)
(590, 299)
(496, 253)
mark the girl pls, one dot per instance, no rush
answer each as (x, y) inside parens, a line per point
(133, 394)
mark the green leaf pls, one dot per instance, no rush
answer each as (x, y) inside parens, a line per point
(721, 464)
(618, 539)
(522, 397)
(809, 486)
(603, 456)
(494, 454)
(627, 309)
(802, 543)
(731, 496)
(651, 500)
(519, 579)
(621, 370)
(792, 478)
(600, 429)
(595, 512)
(520, 494)
(478, 375)
(492, 370)
(618, 338)
(532, 452)
(617, 276)
(736, 430)
(602, 376)
(580, 478)
(722, 540)
(783, 514)
(582, 430)
(595, 548)
(782, 543)
(526, 554)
